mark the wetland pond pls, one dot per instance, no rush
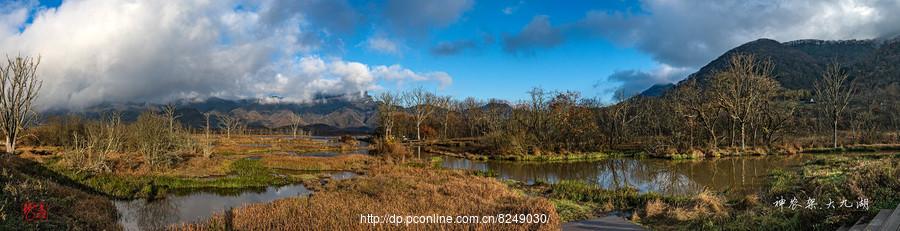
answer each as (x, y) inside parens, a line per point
(735, 176)
(188, 207)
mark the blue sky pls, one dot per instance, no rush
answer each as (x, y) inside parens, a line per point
(487, 71)
(97, 51)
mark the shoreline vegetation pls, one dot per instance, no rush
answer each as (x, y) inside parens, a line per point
(739, 110)
(457, 149)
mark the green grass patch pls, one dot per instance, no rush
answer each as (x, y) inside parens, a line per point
(244, 173)
(572, 211)
(625, 198)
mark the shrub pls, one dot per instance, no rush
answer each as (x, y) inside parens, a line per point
(390, 149)
(160, 144)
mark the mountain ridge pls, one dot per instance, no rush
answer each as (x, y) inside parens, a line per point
(322, 116)
(800, 63)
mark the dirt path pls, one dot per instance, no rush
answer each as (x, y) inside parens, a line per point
(602, 223)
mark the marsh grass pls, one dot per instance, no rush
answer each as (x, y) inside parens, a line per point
(272, 144)
(69, 206)
(243, 173)
(619, 199)
(396, 190)
(832, 177)
(311, 163)
(572, 211)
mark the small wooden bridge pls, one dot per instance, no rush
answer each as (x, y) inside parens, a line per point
(886, 220)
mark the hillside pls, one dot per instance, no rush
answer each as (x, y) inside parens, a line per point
(798, 64)
(326, 115)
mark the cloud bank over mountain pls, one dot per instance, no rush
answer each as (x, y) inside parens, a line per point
(95, 51)
(688, 34)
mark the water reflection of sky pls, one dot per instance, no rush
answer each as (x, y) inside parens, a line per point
(153, 215)
(732, 175)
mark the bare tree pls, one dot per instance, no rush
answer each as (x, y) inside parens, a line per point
(833, 94)
(387, 107)
(422, 103)
(207, 149)
(169, 112)
(443, 103)
(229, 123)
(694, 105)
(19, 87)
(113, 132)
(623, 114)
(296, 121)
(741, 88)
(776, 118)
(538, 120)
(472, 113)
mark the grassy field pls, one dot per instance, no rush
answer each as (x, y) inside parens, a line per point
(237, 162)
(391, 190)
(400, 186)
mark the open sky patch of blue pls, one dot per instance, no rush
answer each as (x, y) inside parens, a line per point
(487, 71)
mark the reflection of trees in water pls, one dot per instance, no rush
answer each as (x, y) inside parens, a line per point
(735, 175)
(151, 215)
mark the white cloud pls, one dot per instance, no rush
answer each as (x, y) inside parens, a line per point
(382, 45)
(632, 82)
(97, 51)
(692, 32)
(402, 75)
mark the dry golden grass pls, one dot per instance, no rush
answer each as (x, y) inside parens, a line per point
(654, 208)
(258, 144)
(336, 163)
(703, 205)
(273, 150)
(708, 202)
(391, 190)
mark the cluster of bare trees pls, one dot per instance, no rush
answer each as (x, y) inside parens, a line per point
(422, 105)
(157, 137)
(741, 106)
(90, 151)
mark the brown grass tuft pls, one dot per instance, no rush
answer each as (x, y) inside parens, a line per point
(708, 202)
(392, 190)
(654, 208)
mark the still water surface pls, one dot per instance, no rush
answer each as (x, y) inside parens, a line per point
(189, 207)
(735, 176)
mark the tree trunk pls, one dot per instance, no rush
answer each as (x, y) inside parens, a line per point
(834, 133)
(743, 145)
(732, 134)
(10, 145)
(418, 132)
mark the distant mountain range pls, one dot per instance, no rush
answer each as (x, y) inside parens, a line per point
(325, 115)
(798, 64)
